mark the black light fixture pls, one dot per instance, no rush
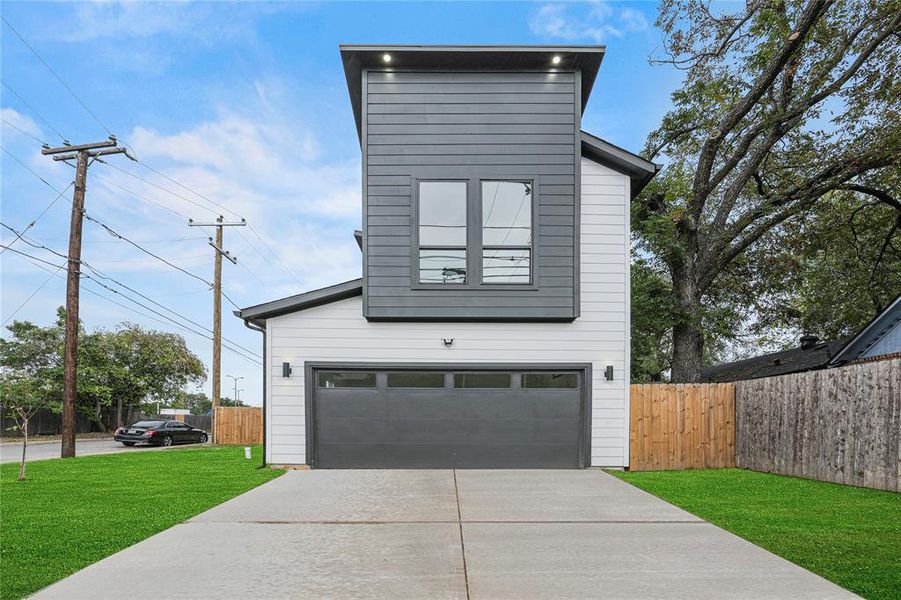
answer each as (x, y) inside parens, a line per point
(286, 369)
(608, 373)
(448, 341)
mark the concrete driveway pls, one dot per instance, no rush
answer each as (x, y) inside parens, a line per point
(445, 534)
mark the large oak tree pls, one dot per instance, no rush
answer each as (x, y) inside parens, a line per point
(782, 104)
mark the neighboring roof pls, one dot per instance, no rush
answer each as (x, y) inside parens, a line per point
(261, 312)
(358, 235)
(870, 335)
(639, 170)
(358, 57)
(795, 360)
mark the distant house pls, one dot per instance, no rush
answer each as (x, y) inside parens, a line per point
(879, 340)
(812, 354)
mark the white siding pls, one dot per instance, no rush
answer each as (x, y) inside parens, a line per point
(338, 332)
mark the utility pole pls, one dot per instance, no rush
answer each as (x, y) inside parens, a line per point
(84, 155)
(217, 305)
(235, 397)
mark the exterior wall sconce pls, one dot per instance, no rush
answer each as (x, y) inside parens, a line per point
(608, 373)
(448, 342)
(286, 369)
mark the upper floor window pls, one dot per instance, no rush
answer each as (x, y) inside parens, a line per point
(506, 231)
(442, 232)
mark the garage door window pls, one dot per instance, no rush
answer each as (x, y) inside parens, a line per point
(415, 380)
(346, 379)
(550, 380)
(482, 380)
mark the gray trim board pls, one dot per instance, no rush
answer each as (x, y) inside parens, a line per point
(358, 58)
(870, 335)
(325, 295)
(639, 170)
(584, 459)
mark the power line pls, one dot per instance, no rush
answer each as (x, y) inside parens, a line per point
(58, 78)
(34, 293)
(22, 131)
(30, 170)
(118, 235)
(33, 110)
(231, 345)
(37, 218)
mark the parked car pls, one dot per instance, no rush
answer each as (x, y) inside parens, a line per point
(160, 433)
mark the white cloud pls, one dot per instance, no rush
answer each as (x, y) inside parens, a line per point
(14, 120)
(263, 162)
(594, 21)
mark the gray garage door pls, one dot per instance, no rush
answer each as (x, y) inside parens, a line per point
(447, 418)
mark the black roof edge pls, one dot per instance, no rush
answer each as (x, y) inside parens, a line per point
(358, 235)
(639, 170)
(870, 334)
(332, 293)
(356, 57)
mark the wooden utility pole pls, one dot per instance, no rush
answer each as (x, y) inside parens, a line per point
(217, 307)
(84, 155)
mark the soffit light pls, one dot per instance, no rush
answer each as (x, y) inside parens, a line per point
(386, 58)
(556, 60)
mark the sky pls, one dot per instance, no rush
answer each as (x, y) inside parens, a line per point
(240, 110)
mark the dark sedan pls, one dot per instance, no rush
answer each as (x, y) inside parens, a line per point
(160, 433)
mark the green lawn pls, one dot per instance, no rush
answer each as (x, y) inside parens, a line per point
(849, 535)
(73, 512)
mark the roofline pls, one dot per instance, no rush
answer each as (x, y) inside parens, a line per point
(326, 295)
(858, 343)
(639, 170)
(584, 58)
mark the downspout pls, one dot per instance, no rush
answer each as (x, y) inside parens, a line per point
(262, 330)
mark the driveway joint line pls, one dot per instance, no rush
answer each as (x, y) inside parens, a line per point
(439, 522)
(462, 543)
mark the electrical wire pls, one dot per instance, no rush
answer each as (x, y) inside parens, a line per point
(33, 110)
(22, 131)
(58, 78)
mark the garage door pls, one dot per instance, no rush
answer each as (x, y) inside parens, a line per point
(447, 418)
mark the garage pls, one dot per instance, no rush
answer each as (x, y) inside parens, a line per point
(447, 417)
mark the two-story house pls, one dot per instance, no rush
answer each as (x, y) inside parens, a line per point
(490, 328)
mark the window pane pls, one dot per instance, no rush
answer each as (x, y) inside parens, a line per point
(506, 266)
(506, 213)
(442, 266)
(482, 380)
(442, 213)
(346, 379)
(550, 380)
(415, 380)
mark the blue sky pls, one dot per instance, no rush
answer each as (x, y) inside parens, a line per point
(245, 104)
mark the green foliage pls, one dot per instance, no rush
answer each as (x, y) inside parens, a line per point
(73, 512)
(199, 403)
(130, 364)
(652, 321)
(848, 535)
(783, 105)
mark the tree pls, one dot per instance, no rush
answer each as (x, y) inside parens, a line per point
(783, 103)
(21, 398)
(148, 366)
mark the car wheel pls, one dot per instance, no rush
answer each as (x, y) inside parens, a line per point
(128, 443)
(203, 439)
(167, 441)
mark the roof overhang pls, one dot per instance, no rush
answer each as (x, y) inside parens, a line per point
(356, 58)
(639, 170)
(874, 331)
(259, 313)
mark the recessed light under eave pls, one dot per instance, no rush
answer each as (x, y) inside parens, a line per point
(386, 58)
(556, 60)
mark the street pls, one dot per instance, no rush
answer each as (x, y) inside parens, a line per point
(12, 451)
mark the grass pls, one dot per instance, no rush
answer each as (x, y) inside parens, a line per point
(72, 512)
(851, 536)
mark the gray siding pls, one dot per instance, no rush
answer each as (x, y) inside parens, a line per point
(470, 124)
(890, 343)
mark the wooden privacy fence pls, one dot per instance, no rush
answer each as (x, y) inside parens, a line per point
(841, 425)
(682, 426)
(238, 425)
